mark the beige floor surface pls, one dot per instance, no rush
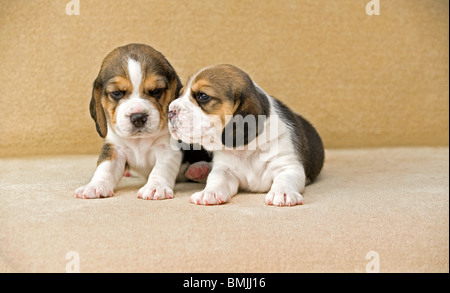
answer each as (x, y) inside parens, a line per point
(391, 205)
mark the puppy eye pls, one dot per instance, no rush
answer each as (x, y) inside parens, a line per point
(202, 97)
(156, 93)
(117, 95)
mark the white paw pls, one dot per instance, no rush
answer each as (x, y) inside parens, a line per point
(94, 190)
(155, 191)
(206, 197)
(283, 198)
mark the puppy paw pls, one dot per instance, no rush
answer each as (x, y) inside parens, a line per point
(198, 171)
(94, 190)
(155, 191)
(283, 198)
(205, 197)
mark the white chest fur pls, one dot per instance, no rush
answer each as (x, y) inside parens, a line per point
(141, 153)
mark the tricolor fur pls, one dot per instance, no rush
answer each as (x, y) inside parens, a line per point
(258, 143)
(129, 105)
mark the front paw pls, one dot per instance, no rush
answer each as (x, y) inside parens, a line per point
(155, 191)
(94, 190)
(283, 198)
(206, 197)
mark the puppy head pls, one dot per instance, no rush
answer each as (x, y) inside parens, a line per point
(132, 92)
(220, 105)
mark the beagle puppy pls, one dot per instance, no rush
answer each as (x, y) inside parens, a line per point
(129, 105)
(258, 143)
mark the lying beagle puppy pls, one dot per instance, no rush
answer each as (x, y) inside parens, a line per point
(258, 143)
(129, 104)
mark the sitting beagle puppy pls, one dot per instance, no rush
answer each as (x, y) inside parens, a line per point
(129, 105)
(258, 143)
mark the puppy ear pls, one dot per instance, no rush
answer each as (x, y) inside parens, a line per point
(96, 108)
(175, 84)
(172, 91)
(248, 119)
(174, 88)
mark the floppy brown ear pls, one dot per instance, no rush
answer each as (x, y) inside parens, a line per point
(171, 94)
(174, 88)
(248, 119)
(96, 109)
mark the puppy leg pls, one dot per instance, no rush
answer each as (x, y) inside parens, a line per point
(106, 177)
(162, 178)
(181, 177)
(286, 188)
(221, 185)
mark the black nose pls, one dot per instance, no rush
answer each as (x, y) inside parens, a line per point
(138, 119)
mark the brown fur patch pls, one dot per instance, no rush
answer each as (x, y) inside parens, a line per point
(119, 83)
(110, 109)
(169, 95)
(108, 153)
(152, 82)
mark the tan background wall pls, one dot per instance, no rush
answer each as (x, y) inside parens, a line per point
(363, 81)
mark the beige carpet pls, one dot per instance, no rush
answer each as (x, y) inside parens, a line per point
(393, 202)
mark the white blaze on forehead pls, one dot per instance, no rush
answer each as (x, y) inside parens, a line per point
(135, 72)
(135, 104)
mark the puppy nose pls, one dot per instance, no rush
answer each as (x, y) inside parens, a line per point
(173, 114)
(138, 119)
